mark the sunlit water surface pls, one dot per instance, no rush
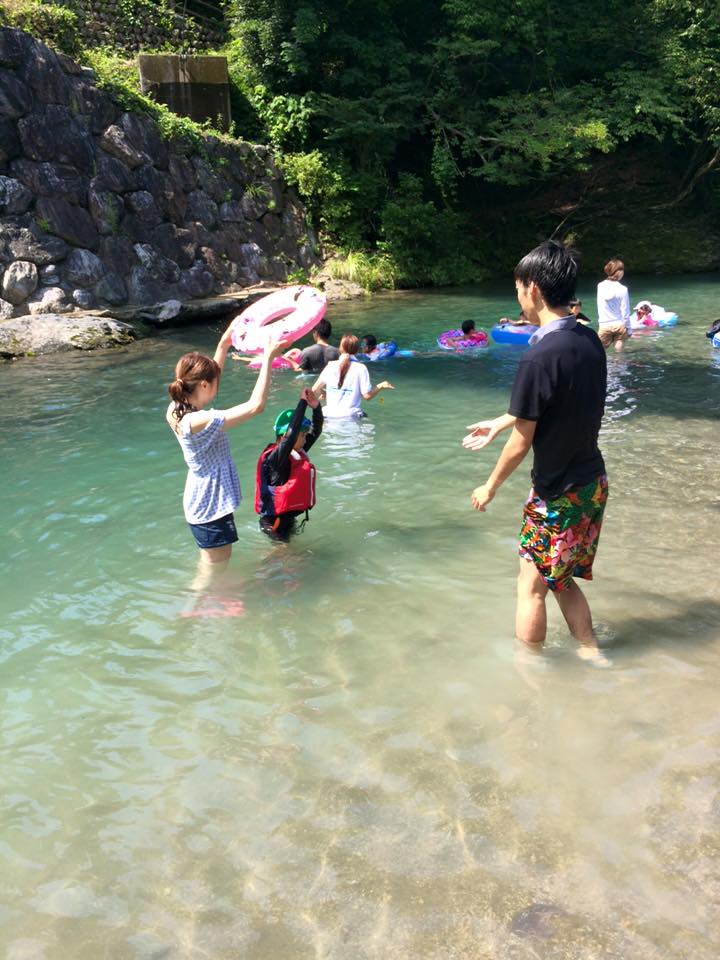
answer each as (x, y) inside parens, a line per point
(355, 764)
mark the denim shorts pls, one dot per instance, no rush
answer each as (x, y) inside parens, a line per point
(215, 533)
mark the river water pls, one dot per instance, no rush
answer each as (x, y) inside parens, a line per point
(355, 764)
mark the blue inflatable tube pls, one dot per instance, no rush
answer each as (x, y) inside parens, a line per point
(511, 333)
(386, 349)
(716, 340)
(669, 320)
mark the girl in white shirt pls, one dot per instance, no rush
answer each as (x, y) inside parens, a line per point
(346, 382)
(613, 304)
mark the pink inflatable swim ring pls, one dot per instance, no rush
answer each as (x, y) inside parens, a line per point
(284, 315)
(456, 340)
(279, 363)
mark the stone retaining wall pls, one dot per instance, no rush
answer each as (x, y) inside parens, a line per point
(98, 210)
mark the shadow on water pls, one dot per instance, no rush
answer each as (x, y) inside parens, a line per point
(694, 622)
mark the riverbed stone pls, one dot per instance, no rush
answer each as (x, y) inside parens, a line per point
(201, 209)
(161, 268)
(118, 254)
(83, 298)
(54, 134)
(71, 223)
(141, 205)
(10, 146)
(112, 289)
(14, 196)
(182, 172)
(13, 48)
(115, 142)
(83, 268)
(144, 286)
(175, 244)
(19, 280)
(51, 179)
(50, 275)
(31, 243)
(15, 98)
(142, 133)
(112, 174)
(49, 300)
(232, 211)
(53, 332)
(106, 210)
(197, 281)
(6, 309)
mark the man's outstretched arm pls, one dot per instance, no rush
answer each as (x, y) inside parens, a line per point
(513, 454)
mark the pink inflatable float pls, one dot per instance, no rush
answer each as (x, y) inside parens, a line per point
(285, 315)
(279, 363)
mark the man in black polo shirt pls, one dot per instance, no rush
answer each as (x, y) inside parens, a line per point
(315, 358)
(556, 406)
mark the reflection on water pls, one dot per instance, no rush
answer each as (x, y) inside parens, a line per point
(353, 763)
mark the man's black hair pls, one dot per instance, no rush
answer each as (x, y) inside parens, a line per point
(467, 326)
(370, 342)
(574, 302)
(324, 329)
(553, 267)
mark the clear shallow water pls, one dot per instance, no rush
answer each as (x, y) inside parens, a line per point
(357, 766)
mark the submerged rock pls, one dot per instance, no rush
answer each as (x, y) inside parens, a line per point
(53, 333)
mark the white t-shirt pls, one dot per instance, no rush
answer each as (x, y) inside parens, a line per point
(345, 401)
(613, 303)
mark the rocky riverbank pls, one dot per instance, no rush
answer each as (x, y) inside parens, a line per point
(100, 210)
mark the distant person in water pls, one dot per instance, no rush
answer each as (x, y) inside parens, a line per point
(574, 308)
(613, 305)
(346, 382)
(314, 359)
(212, 487)
(285, 478)
(556, 408)
(468, 333)
(713, 329)
(521, 321)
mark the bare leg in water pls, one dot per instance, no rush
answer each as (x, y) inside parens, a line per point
(212, 564)
(531, 614)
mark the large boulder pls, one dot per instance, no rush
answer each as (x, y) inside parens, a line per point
(72, 223)
(28, 242)
(83, 268)
(111, 289)
(14, 197)
(112, 174)
(49, 300)
(15, 99)
(53, 133)
(19, 281)
(197, 281)
(53, 333)
(51, 179)
(10, 146)
(202, 209)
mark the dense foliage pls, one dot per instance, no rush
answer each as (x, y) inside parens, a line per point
(403, 123)
(435, 138)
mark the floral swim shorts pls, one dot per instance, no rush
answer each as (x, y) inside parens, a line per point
(561, 536)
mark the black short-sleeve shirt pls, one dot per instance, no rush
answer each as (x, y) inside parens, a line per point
(561, 384)
(315, 358)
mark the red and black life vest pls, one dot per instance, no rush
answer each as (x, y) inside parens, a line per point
(293, 496)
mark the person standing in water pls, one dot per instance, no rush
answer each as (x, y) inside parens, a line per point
(212, 487)
(346, 382)
(285, 478)
(613, 304)
(556, 406)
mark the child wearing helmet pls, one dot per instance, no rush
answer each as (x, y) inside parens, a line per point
(285, 478)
